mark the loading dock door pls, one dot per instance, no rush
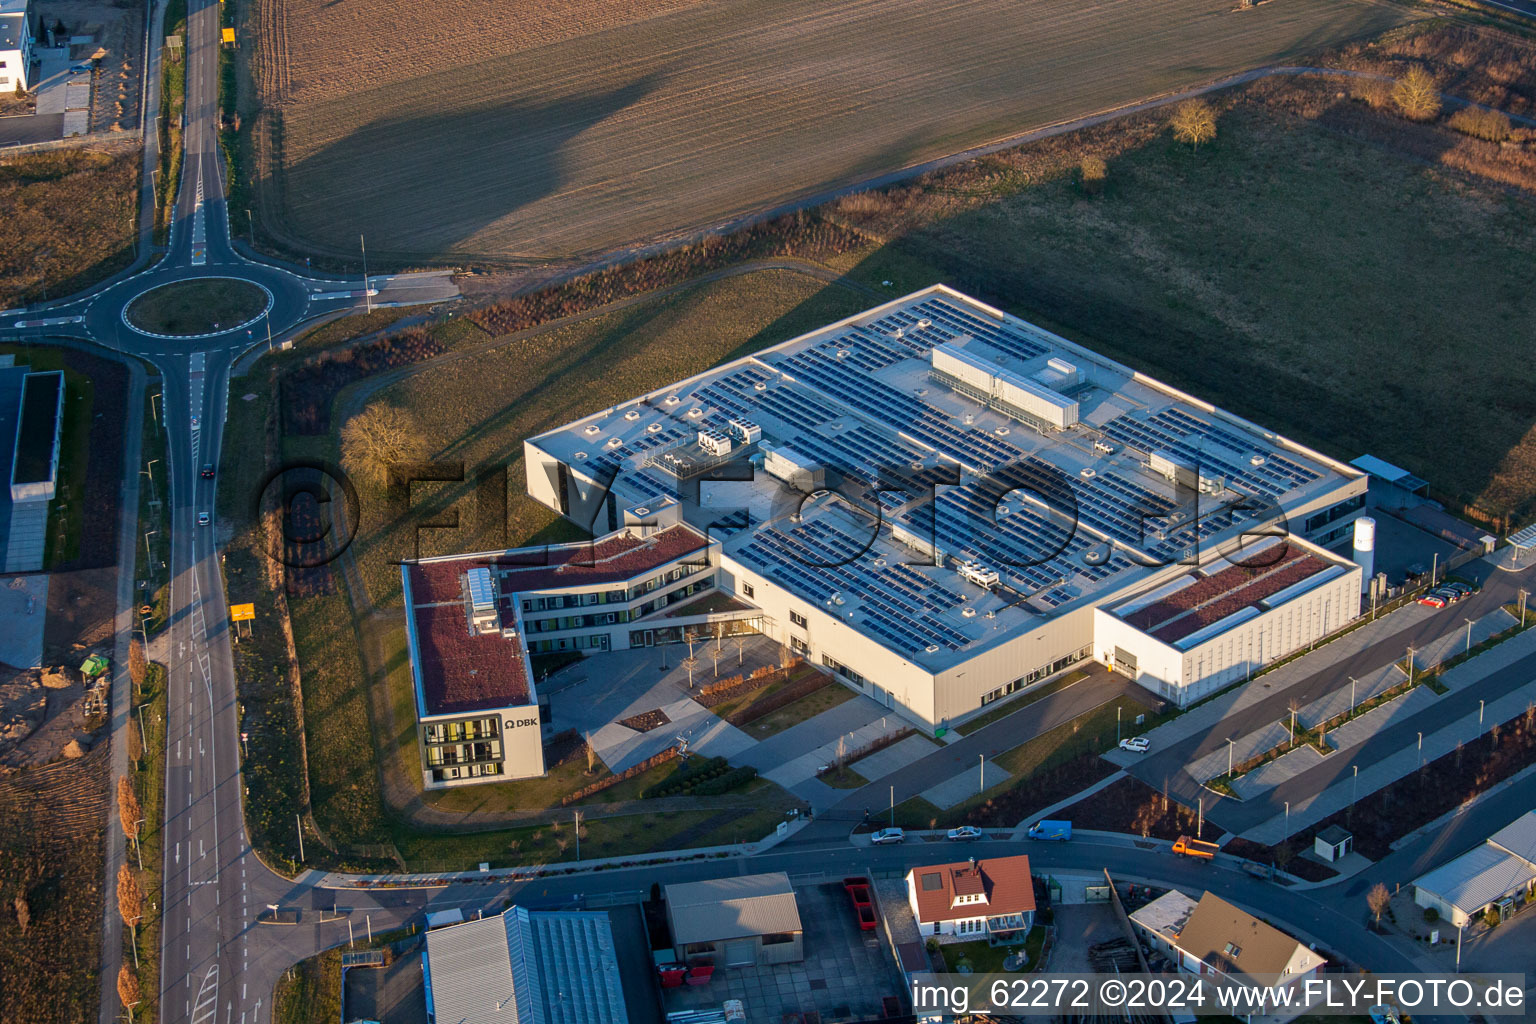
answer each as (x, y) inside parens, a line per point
(741, 953)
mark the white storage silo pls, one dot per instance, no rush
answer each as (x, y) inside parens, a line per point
(1365, 550)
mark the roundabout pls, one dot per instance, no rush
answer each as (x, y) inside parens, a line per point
(199, 307)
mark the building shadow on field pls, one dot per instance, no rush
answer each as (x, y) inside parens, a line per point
(418, 185)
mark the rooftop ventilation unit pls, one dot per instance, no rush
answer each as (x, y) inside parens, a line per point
(1103, 447)
(924, 322)
(969, 613)
(978, 574)
(695, 413)
(579, 456)
(931, 648)
(592, 428)
(1000, 431)
(715, 442)
(632, 415)
(653, 428)
(761, 385)
(745, 431)
(1256, 460)
(673, 399)
(1087, 473)
(1175, 469)
(1096, 555)
(615, 442)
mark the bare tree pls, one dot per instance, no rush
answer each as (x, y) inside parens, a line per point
(591, 753)
(1415, 94)
(690, 663)
(138, 666)
(1378, 900)
(379, 437)
(130, 904)
(128, 990)
(129, 813)
(1194, 122)
(23, 912)
(741, 649)
(1283, 855)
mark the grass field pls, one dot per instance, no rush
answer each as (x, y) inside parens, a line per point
(197, 307)
(478, 408)
(591, 126)
(1318, 269)
(69, 221)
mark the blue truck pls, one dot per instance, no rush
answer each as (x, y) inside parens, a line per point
(1051, 831)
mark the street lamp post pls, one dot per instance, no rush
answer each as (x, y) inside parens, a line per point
(1117, 725)
(1523, 594)
(1287, 819)
(1480, 714)
(981, 772)
(1410, 666)
(1469, 636)
(1229, 758)
(367, 297)
(1351, 694)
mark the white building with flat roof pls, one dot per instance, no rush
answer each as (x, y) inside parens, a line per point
(15, 45)
(945, 505)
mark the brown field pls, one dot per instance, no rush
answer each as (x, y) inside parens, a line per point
(51, 822)
(581, 131)
(69, 221)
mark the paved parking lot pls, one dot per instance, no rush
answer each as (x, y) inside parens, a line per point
(392, 995)
(846, 976)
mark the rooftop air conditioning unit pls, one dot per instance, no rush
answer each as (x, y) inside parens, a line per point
(592, 428)
(1103, 447)
(632, 415)
(969, 613)
(673, 399)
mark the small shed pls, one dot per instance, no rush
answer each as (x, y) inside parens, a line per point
(1333, 843)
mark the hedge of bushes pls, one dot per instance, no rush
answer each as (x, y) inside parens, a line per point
(702, 777)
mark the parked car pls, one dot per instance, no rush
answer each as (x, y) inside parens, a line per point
(963, 834)
(1136, 744)
(888, 835)
(1450, 596)
(1460, 588)
(202, 519)
(1433, 600)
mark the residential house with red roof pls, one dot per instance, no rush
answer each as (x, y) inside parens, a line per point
(991, 898)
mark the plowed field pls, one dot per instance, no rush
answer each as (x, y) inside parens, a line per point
(547, 131)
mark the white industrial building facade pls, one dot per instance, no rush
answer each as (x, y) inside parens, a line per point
(945, 505)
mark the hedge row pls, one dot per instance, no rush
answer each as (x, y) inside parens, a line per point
(613, 780)
(812, 682)
(693, 772)
(725, 783)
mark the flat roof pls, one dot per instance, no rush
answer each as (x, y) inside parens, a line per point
(458, 671)
(1384, 470)
(37, 434)
(1197, 605)
(1080, 512)
(1166, 914)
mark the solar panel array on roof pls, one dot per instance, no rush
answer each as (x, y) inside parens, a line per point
(1212, 448)
(823, 563)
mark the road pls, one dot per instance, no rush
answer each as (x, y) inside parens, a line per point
(215, 964)
(1166, 765)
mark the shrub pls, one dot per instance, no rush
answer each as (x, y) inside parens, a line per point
(1481, 124)
(733, 779)
(1431, 915)
(1491, 917)
(1094, 171)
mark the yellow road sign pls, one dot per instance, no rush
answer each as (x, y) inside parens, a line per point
(242, 612)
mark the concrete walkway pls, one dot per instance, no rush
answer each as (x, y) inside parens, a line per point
(794, 756)
(1452, 644)
(963, 785)
(1378, 771)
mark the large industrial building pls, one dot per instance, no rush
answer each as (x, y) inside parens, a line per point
(945, 505)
